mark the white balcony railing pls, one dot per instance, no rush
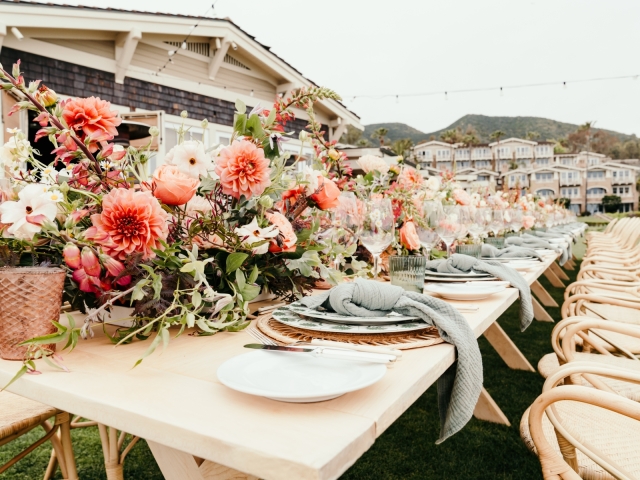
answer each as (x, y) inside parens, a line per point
(569, 182)
(622, 180)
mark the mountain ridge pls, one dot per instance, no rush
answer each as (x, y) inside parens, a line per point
(484, 125)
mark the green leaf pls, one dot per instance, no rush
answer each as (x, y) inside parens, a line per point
(165, 337)
(240, 280)
(249, 292)
(191, 320)
(255, 127)
(196, 299)
(138, 291)
(235, 261)
(253, 276)
(271, 118)
(20, 373)
(240, 123)
(150, 350)
(240, 106)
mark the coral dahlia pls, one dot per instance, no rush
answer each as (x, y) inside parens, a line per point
(243, 170)
(130, 222)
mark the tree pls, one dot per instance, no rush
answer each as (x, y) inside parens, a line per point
(402, 147)
(363, 142)
(564, 201)
(380, 134)
(451, 136)
(497, 135)
(352, 136)
(611, 203)
(532, 135)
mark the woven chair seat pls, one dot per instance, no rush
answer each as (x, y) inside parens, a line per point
(614, 313)
(18, 413)
(616, 436)
(548, 365)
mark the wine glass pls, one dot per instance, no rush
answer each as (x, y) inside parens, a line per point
(516, 220)
(426, 226)
(496, 223)
(346, 226)
(464, 219)
(478, 222)
(447, 224)
(377, 228)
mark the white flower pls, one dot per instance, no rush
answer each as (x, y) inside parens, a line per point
(190, 158)
(198, 204)
(433, 184)
(26, 216)
(369, 163)
(252, 233)
(310, 176)
(15, 151)
(54, 196)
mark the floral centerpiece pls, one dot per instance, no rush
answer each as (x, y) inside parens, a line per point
(186, 246)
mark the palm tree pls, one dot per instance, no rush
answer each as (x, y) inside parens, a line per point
(451, 136)
(532, 135)
(380, 134)
(402, 147)
(497, 135)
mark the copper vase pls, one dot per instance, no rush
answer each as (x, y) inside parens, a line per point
(30, 298)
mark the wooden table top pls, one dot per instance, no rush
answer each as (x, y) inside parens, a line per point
(175, 398)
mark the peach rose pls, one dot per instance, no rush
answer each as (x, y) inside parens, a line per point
(528, 221)
(286, 239)
(326, 197)
(409, 236)
(461, 197)
(173, 187)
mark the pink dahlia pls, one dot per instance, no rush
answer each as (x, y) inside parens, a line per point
(93, 117)
(130, 222)
(243, 170)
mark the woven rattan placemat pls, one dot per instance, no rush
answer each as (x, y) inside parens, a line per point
(403, 341)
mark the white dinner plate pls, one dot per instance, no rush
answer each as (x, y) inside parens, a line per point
(428, 278)
(324, 315)
(297, 377)
(545, 251)
(523, 266)
(471, 274)
(465, 292)
(288, 317)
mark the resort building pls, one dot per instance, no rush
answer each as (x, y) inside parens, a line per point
(584, 178)
(151, 67)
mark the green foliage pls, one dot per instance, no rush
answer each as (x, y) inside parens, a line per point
(611, 203)
(564, 201)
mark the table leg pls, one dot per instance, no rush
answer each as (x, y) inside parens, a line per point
(539, 313)
(569, 265)
(553, 278)
(544, 297)
(559, 272)
(177, 465)
(488, 410)
(507, 350)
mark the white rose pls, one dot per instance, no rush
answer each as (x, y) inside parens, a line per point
(369, 163)
(433, 184)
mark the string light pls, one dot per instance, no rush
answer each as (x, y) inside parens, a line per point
(501, 92)
(251, 93)
(487, 89)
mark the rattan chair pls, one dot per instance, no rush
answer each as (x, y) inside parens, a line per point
(584, 433)
(20, 415)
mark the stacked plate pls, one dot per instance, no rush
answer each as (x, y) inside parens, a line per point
(299, 316)
(506, 259)
(467, 291)
(440, 277)
(523, 265)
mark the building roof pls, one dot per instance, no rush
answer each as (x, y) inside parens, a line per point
(40, 21)
(513, 139)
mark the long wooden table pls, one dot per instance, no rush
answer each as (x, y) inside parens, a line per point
(175, 401)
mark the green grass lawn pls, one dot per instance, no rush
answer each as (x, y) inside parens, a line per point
(407, 449)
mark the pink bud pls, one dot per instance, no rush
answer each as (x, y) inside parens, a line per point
(83, 280)
(90, 262)
(78, 215)
(113, 266)
(124, 280)
(71, 254)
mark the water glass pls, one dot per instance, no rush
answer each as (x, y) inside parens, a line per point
(471, 250)
(408, 272)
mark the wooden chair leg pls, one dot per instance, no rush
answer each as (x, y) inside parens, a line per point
(53, 464)
(111, 446)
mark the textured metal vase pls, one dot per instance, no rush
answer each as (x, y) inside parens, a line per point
(30, 298)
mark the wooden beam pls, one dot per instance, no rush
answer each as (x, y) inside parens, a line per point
(3, 33)
(507, 350)
(216, 61)
(338, 131)
(539, 313)
(285, 88)
(544, 297)
(126, 43)
(555, 268)
(488, 410)
(553, 278)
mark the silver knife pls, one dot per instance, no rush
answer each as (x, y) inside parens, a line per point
(326, 352)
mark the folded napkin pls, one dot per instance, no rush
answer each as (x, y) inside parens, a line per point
(532, 241)
(458, 263)
(565, 250)
(459, 387)
(508, 252)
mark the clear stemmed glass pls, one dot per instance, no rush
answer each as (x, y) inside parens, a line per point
(377, 228)
(346, 226)
(448, 224)
(497, 221)
(426, 227)
(478, 222)
(464, 218)
(516, 220)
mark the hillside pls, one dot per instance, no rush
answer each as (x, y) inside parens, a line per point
(485, 125)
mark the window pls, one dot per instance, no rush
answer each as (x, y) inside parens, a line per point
(481, 152)
(224, 139)
(626, 189)
(462, 153)
(567, 161)
(542, 161)
(523, 151)
(443, 154)
(599, 174)
(483, 163)
(570, 192)
(596, 191)
(463, 164)
(545, 192)
(542, 150)
(504, 152)
(544, 177)
(593, 161)
(483, 178)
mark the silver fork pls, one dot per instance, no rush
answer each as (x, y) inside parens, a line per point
(261, 337)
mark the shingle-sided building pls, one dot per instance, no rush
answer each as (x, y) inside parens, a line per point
(152, 66)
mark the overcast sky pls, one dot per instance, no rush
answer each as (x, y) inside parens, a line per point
(375, 47)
